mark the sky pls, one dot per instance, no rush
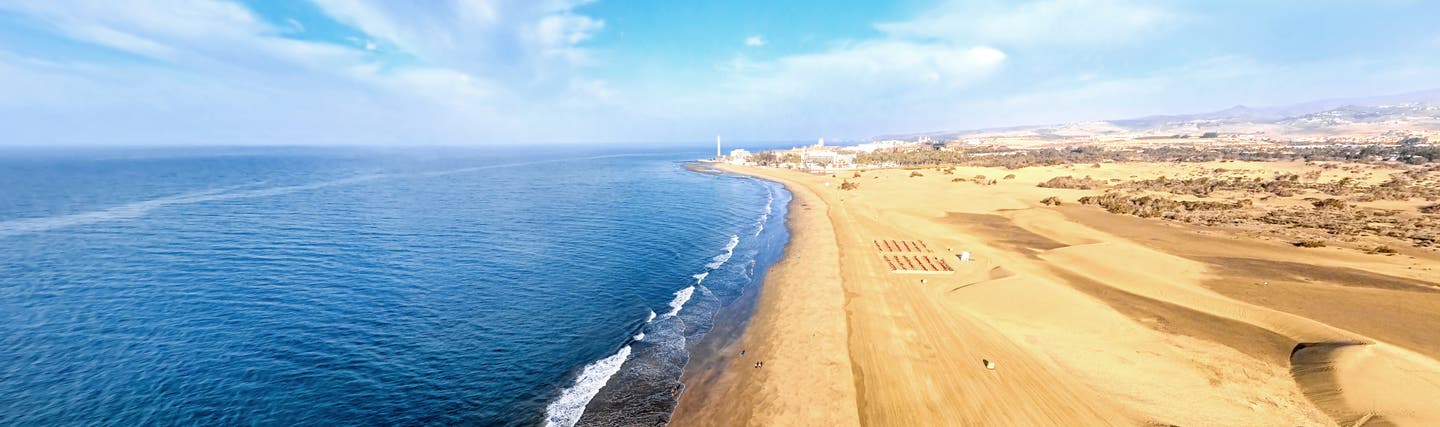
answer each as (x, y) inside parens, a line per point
(503, 72)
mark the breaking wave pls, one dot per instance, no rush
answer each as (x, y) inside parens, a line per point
(566, 410)
(681, 297)
(765, 213)
(719, 260)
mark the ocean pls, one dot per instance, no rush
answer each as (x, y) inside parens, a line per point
(349, 286)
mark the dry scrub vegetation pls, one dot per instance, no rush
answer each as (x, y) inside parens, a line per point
(1330, 207)
(1070, 182)
(1314, 196)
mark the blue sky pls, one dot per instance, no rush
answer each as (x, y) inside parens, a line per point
(196, 72)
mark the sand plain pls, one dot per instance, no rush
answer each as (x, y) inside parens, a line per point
(1090, 318)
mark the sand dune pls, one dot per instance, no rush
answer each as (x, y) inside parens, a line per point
(1090, 318)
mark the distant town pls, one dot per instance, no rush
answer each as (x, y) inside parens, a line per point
(1405, 132)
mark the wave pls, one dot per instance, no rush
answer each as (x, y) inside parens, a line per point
(681, 297)
(646, 385)
(566, 410)
(765, 213)
(719, 260)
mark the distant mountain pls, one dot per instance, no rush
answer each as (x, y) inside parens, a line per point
(1367, 115)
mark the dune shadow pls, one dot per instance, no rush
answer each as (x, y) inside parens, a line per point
(1003, 233)
(1313, 367)
(1301, 272)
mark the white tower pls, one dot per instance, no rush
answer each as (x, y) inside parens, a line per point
(821, 143)
(717, 147)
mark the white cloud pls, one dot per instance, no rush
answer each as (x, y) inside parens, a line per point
(556, 36)
(518, 37)
(563, 30)
(862, 83)
(162, 29)
(512, 71)
(1042, 22)
(225, 74)
(891, 64)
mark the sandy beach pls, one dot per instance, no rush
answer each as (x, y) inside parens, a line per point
(1064, 315)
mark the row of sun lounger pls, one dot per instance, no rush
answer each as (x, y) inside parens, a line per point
(917, 246)
(916, 263)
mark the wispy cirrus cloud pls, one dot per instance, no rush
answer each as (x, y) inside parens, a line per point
(502, 38)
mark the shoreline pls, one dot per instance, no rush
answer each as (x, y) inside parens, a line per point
(798, 329)
(710, 313)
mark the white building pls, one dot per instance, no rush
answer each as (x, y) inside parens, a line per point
(826, 160)
(738, 156)
(871, 147)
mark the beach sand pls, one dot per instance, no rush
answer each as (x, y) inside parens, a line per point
(797, 330)
(1090, 318)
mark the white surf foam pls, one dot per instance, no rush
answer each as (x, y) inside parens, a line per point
(700, 278)
(639, 336)
(652, 316)
(765, 214)
(681, 297)
(719, 260)
(567, 409)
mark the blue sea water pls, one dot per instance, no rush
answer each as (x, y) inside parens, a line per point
(310, 286)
